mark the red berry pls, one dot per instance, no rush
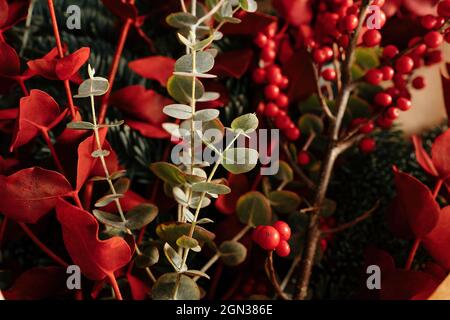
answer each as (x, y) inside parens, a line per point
(273, 74)
(328, 53)
(319, 56)
(404, 64)
(261, 39)
(350, 22)
(392, 113)
(433, 39)
(420, 50)
(271, 30)
(384, 122)
(371, 38)
(271, 91)
(434, 57)
(374, 76)
(282, 121)
(388, 72)
(284, 229)
(255, 233)
(292, 133)
(271, 110)
(418, 82)
(283, 249)
(259, 75)
(428, 21)
(367, 127)
(399, 81)
(323, 244)
(329, 74)
(284, 82)
(403, 104)
(392, 91)
(303, 158)
(268, 237)
(261, 107)
(282, 100)
(270, 45)
(383, 99)
(390, 51)
(443, 9)
(268, 55)
(367, 145)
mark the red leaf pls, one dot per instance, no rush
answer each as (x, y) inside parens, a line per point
(375, 256)
(251, 24)
(421, 210)
(9, 67)
(422, 157)
(406, 284)
(17, 12)
(396, 218)
(96, 258)
(31, 193)
(38, 283)
(157, 68)
(437, 242)
(139, 291)
(296, 12)
(440, 153)
(239, 185)
(121, 9)
(148, 130)
(3, 12)
(36, 111)
(233, 63)
(7, 119)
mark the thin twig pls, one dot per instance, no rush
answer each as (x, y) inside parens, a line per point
(322, 100)
(308, 182)
(273, 277)
(26, 33)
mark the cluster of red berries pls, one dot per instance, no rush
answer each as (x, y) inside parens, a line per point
(269, 74)
(274, 237)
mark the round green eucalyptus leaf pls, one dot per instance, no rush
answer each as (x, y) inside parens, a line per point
(96, 86)
(81, 125)
(141, 215)
(181, 19)
(180, 88)
(148, 257)
(109, 219)
(246, 123)
(122, 185)
(285, 172)
(284, 201)
(309, 123)
(232, 253)
(211, 188)
(178, 111)
(248, 5)
(165, 288)
(253, 209)
(168, 173)
(187, 242)
(239, 160)
(171, 231)
(204, 62)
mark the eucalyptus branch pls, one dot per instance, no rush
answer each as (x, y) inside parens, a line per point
(210, 13)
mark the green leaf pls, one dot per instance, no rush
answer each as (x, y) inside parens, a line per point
(174, 258)
(211, 188)
(204, 62)
(164, 288)
(253, 209)
(118, 174)
(148, 257)
(248, 5)
(96, 86)
(196, 273)
(181, 20)
(112, 124)
(100, 153)
(232, 253)
(309, 123)
(81, 125)
(206, 115)
(109, 219)
(310, 105)
(168, 173)
(359, 108)
(246, 123)
(107, 199)
(180, 88)
(367, 58)
(239, 160)
(204, 221)
(122, 185)
(171, 231)
(284, 201)
(141, 215)
(186, 242)
(178, 111)
(328, 207)
(209, 96)
(285, 172)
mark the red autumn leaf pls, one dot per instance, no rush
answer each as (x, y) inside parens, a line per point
(435, 270)
(121, 8)
(31, 193)
(97, 258)
(406, 285)
(420, 208)
(7, 119)
(296, 12)
(9, 67)
(422, 157)
(251, 23)
(437, 242)
(16, 11)
(148, 130)
(440, 153)
(375, 256)
(157, 68)
(38, 283)
(396, 218)
(233, 63)
(227, 203)
(54, 68)
(139, 291)
(38, 110)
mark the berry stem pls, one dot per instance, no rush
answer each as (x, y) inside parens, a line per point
(273, 277)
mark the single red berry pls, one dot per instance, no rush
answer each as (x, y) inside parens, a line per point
(433, 39)
(351, 22)
(261, 39)
(367, 145)
(273, 74)
(259, 75)
(284, 229)
(383, 99)
(420, 50)
(328, 53)
(255, 233)
(414, 41)
(283, 249)
(268, 55)
(392, 91)
(390, 51)
(310, 43)
(367, 127)
(388, 72)
(271, 30)
(403, 104)
(399, 81)
(443, 9)
(418, 82)
(268, 238)
(284, 82)
(343, 41)
(271, 110)
(392, 113)
(282, 121)
(404, 64)
(303, 158)
(271, 91)
(428, 21)
(261, 107)
(292, 133)
(384, 122)
(282, 100)
(371, 38)
(319, 56)
(271, 44)
(374, 76)
(329, 74)
(323, 244)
